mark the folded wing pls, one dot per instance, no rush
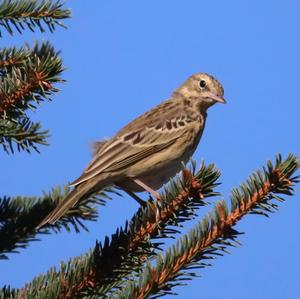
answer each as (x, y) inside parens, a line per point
(135, 143)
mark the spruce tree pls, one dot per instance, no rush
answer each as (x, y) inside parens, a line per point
(130, 263)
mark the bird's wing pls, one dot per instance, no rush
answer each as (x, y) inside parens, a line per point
(131, 145)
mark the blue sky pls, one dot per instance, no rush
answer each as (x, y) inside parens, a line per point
(124, 57)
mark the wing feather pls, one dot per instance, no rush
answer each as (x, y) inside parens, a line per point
(135, 143)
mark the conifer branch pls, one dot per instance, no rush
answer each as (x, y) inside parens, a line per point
(25, 135)
(19, 217)
(12, 57)
(33, 82)
(28, 77)
(103, 269)
(216, 231)
(180, 200)
(130, 247)
(32, 14)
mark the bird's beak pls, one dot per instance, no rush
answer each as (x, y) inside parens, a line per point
(215, 97)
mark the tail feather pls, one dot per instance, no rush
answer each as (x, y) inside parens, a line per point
(70, 201)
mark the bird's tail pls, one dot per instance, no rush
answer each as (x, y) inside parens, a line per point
(78, 193)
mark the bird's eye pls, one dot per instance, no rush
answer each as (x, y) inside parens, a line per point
(202, 84)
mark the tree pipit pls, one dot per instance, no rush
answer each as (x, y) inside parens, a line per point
(150, 150)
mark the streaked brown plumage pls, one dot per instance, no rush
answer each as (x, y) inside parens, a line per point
(150, 150)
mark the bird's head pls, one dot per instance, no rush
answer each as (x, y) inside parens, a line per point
(202, 89)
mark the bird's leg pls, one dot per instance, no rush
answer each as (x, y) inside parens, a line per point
(131, 194)
(147, 188)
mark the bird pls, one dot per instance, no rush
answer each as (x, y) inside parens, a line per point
(151, 149)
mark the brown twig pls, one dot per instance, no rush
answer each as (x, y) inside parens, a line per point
(11, 62)
(7, 101)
